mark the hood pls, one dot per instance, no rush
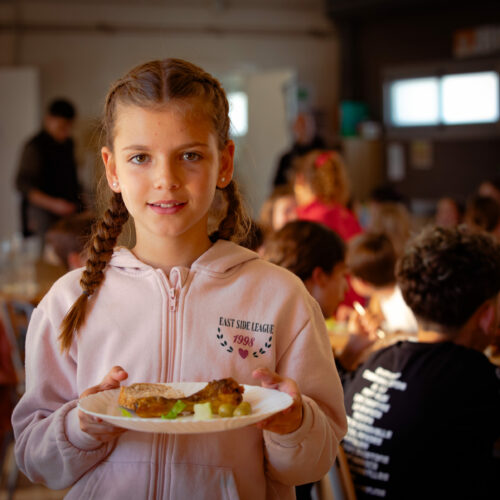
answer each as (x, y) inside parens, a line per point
(222, 257)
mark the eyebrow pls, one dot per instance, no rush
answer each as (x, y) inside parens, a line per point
(143, 147)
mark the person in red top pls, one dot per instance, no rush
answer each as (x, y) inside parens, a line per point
(322, 192)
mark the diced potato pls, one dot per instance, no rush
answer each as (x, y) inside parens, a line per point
(203, 411)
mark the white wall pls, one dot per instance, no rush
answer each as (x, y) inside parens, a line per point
(19, 119)
(79, 50)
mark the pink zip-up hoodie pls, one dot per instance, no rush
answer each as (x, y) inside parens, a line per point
(188, 326)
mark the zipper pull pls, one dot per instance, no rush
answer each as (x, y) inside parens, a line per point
(172, 299)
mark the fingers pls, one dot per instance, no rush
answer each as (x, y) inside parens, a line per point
(289, 419)
(111, 381)
(98, 429)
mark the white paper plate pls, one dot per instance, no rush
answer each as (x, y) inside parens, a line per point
(264, 402)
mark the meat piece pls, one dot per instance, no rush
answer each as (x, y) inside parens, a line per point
(155, 400)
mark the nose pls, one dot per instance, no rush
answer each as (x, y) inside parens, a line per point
(166, 175)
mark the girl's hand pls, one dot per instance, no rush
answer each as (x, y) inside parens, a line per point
(288, 420)
(96, 427)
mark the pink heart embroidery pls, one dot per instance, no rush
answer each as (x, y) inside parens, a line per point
(243, 353)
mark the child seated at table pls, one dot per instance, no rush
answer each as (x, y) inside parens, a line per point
(65, 241)
(316, 255)
(371, 261)
(423, 416)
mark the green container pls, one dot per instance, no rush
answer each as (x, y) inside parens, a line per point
(351, 114)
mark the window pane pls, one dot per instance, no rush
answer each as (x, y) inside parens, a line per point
(238, 113)
(414, 101)
(470, 98)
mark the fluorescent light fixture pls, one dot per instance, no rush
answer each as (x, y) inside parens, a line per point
(470, 98)
(414, 102)
(238, 113)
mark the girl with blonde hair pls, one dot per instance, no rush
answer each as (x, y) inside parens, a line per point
(322, 191)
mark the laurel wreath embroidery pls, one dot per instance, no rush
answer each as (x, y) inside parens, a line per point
(220, 336)
(262, 351)
(255, 354)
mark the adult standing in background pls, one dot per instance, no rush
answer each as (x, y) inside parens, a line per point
(47, 174)
(305, 140)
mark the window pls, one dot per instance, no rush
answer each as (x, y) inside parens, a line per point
(470, 98)
(443, 99)
(238, 113)
(415, 101)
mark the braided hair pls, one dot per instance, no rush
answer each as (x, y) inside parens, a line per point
(152, 85)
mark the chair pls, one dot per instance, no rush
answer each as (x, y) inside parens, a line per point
(14, 318)
(337, 484)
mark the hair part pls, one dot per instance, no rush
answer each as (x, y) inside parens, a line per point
(301, 246)
(446, 274)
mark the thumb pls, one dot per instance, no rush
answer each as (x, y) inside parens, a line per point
(267, 378)
(113, 378)
(110, 381)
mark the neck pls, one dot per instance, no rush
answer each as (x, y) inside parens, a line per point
(385, 291)
(430, 336)
(305, 196)
(167, 253)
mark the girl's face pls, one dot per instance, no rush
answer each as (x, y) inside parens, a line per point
(166, 163)
(329, 288)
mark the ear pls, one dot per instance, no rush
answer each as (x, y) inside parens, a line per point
(486, 317)
(226, 167)
(319, 277)
(110, 167)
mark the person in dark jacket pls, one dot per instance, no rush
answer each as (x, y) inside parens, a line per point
(47, 173)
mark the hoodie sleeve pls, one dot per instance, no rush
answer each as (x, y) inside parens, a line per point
(50, 447)
(307, 454)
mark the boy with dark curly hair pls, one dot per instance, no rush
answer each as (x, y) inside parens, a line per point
(424, 416)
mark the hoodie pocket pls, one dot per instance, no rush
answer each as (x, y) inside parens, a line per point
(203, 482)
(113, 481)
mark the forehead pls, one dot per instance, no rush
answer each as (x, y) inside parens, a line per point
(173, 119)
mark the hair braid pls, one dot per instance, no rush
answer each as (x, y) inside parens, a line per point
(236, 224)
(100, 249)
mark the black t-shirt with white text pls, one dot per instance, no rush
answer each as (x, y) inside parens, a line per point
(422, 422)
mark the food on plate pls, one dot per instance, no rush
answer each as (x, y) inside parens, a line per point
(203, 411)
(226, 410)
(155, 400)
(242, 409)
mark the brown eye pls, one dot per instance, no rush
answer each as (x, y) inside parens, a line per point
(139, 159)
(190, 156)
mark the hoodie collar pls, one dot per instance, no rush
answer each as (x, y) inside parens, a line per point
(220, 258)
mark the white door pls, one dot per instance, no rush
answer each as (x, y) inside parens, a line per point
(271, 104)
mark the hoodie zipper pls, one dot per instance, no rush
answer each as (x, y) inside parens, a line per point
(165, 444)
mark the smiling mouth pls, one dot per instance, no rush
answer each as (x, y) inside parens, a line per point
(166, 205)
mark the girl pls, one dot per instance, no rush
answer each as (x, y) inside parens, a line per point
(322, 191)
(182, 305)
